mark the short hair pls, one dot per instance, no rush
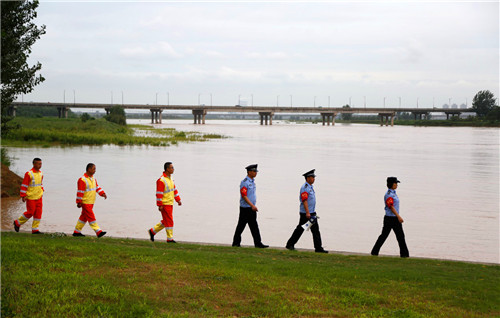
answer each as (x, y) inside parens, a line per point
(36, 159)
(166, 165)
(89, 165)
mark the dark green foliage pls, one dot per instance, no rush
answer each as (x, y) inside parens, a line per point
(116, 115)
(37, 112)
(483, 103)
(5, 159)
(346, 116)
(19, 33)
(494, 114)
(84, 117)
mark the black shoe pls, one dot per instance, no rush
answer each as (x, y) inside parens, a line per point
(101, 234)
(16, 228)
(321, 251)
(151, 235)
(37, 232)
(236, 245)
(291, 248)
(172, 241)
(78, 234)
(261, 246)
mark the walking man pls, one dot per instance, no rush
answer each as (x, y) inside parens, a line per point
(166, 193)
(32, 193)
(392, 220)
(85, 199)
(248, 210)
(307, 198)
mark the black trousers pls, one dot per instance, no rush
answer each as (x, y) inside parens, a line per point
(392, 223)
(297, 233)
(247, 215)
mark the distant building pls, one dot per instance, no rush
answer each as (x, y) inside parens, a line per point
(446, 106)
(454, 106)
(463, 106)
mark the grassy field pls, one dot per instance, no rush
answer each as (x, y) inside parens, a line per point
(56, 276)
(49, 131)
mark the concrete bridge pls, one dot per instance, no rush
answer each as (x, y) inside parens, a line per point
(266, 113)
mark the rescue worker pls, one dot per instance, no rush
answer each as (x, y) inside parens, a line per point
(307, 198)
(248, 210)
(166, 193)
(85, 199)
(392, 220)
(32, 193)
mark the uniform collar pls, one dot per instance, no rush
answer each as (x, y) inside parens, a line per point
(87, 176)
(165, 175)
(250, 179)
(35, 171)
(391, 191)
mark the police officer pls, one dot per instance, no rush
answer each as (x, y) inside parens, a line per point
(307, 199)
(392, 220)
(248, 209)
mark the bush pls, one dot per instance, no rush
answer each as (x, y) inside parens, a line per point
(5, 157)
(116, 115)
(85, 117)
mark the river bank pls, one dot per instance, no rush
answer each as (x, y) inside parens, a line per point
(130, 278)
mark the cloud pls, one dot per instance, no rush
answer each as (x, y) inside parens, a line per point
(157, 50)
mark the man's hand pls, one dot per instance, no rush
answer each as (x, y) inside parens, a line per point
(400, 219)
(104, 196)
(78, 205)
(179, 203)
(254, 208)
(160, 208)
(24, 199)
(308, 215)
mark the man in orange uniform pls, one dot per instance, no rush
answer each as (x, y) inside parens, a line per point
(31, 193)
(85, 199)
(166, 193)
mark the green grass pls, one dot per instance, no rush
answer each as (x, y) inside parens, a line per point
(48, 132)
(58, 276)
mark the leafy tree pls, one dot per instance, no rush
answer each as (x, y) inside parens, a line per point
(19, 33)
(483, 102)
(346, 116)
(494, 114)
(85, 117)
(116, 115)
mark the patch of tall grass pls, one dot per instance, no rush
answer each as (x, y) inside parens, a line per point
(55, 131)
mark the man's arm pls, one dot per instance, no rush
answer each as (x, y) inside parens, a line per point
(243, 192)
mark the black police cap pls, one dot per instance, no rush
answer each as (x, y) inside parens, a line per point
(392, 180)
(252, 168)
(310, 173)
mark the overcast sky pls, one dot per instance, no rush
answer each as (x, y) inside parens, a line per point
(430, 51)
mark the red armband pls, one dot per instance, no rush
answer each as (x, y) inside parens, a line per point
(389, 202)
(304, 196)
(243, 192)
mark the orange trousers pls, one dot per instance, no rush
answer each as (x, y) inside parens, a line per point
(33, 209)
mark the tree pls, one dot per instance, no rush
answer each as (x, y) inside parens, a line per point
(19, 33)
(483, 102)
(116, 115)
(346, 116)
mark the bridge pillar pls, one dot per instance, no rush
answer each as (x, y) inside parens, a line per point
(264, 116)
(199, 116)
(12, 111)
(62, 112)
(329, 118)
(107, 110)
(384, 118)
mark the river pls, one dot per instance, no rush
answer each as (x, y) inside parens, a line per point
(449, 188)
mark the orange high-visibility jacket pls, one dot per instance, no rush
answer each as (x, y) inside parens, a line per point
(166, 191)
(32, 187)
(87, 188)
